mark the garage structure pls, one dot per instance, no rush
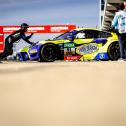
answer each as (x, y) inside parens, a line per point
(110, 7)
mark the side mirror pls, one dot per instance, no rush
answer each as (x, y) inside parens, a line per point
(70, 38)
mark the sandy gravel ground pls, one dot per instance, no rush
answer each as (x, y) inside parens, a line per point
(63, 94)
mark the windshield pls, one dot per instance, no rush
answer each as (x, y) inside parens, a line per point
(64, 35)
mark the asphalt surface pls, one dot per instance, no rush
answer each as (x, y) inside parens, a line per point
(63, 93)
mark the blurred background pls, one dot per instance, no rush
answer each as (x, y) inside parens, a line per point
(82, 13)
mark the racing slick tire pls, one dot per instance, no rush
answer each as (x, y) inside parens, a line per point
(49, 53)
(114, 51)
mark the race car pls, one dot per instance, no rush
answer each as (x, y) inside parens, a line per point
(79, 44)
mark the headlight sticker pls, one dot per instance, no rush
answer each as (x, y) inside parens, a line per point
(33, 51)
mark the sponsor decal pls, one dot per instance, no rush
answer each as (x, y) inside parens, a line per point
(101, 55)
(30, 29)
(72, 57)
(69, 45)
(33, 51)
(36, 28)
(11, 28)
(56, 29)
(40, 29)
(87, 49)
(69, 51)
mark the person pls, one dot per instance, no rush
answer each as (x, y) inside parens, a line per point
(15, 37)
(119, 23)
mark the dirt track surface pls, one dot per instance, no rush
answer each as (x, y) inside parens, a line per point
(63, 94)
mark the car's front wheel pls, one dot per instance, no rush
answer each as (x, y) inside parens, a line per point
(114, 51)
(49, 52)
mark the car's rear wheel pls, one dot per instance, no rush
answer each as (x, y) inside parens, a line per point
(114, 51)
(49, 52)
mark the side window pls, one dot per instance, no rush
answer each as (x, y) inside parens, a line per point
(105, 34)
(89, 34)
(81, 35)
(92, 34)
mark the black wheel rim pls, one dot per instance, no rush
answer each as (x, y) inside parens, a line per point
(114, 52)
(49, 53)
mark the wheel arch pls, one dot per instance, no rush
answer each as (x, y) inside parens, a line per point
(56, 45)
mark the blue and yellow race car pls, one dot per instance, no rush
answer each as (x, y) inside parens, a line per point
(79, 44)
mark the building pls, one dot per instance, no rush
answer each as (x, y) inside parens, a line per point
(110, 7)
(102, 5)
